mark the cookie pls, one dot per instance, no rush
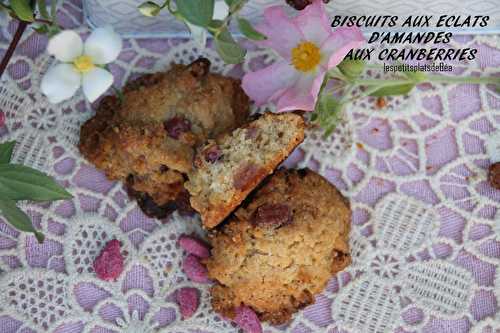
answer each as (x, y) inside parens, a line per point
(281, 247)
(227, 169)
(148, 139)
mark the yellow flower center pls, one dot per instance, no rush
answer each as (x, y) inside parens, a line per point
(83, 64)
(305, 56)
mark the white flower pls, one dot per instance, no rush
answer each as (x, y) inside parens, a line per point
(81, 64)
(199, 34)
(493, 146)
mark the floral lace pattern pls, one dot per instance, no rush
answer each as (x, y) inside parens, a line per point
(425, 245)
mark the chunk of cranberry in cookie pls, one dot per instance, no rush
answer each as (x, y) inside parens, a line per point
(176, 126)
(246, 174)
(212, 154)
(274, 215)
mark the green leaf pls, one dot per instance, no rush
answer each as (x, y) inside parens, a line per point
(42, 7)
(248, 31)
(400, 89)
(328, 113)
(6, 150)
(53, 10)
(4, 7)
(18, 219)
(49, 30)
(43, 29)
(235, 5)
(18, 182)
(149, 9)
(352, 69)
(197, 12)
(417, 76)
(230, 51)
(22, 9)
(216, 24)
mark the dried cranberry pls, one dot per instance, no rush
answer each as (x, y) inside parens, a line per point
(200, 67)
(183, 204)
(212, 154)
(195, 270)
(494, 175)
(274, 215)
(244, 176)
(176, 126)
(247, 319)
(194, 246)
(251, 132)
(110, 262)
(188, 299)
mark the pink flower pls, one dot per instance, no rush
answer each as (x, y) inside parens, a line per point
(309, 48)
(109, 264)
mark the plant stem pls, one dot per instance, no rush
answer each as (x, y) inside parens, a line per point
(43, 21)
(430, 78)
(4, 6)
(470, 79)
(381, 82)
(21, 27)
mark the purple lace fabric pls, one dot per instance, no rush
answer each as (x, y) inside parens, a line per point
(425, 231)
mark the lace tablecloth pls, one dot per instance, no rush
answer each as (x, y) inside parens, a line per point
(426, 224)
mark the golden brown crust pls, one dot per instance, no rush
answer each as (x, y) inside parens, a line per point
(137, 139)
(280, 247)
(248, 171)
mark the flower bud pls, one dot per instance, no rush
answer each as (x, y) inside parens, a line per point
(149, 9)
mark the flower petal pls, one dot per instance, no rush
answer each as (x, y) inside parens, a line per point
(340, 42)
(281, 31)
(302, 95)
(60, 83)
(269, 83)
(313, 22)
(103, 45)
(198, 34)
(65, 46)
(221, 10)
(96, 82)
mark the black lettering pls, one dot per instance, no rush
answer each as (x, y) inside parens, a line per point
(484, 21)
(441, 20)
(394, 21)
(374, 37)
(336, 21)
(407, 22)
(472, 54)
